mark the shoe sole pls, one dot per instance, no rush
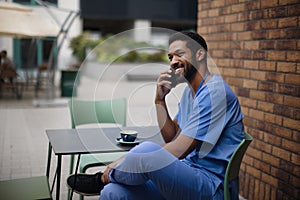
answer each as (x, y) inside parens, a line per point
(81, 193)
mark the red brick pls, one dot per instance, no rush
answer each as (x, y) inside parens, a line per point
(267, 65)
(216, 4)
(267, 192)
(290, 167)
(286, 45)
(278, 173)
(263, 146)
(251, 45)
(294, 180)
(274, 98)
(237, 45)
(254, 172)
(213, 12)
(243, 73)
(231, 18)
(266, 86)
(244, 35)
(262, 190)
(259, 35)
(216, 54)
(271, 139)
(283, 132)
(278, 34)
(275, 77)
(252, 5)
(281, 153)
(291, 123)
(238, 63)
(256, 114)
(287, 22)
(274, 119)
(248, 83)
(202, 14)
(293, 10)
(256, 188)
(243, 17)
(258, 75)
(252, 25)
(277, 12)
(269, 3)
(292, 90)
(269, 179)
(291, 145)
(251, 64)
(256, 15)
(276, 55)
(283, 111)
(251, 103)
(287, 2)
(292, 101)
(269, 24)
(226, 45)
(286, 67)
(293, 56)
(237, 27)
(238, 8)
(202, 30)
(235, 81)
(291, 33)
(258, 55)
(225, 10)
(259, 95)
(265, 106)
(229, 72)
(296, 159)
(267, 45)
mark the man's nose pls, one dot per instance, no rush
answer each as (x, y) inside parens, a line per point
(174, 62)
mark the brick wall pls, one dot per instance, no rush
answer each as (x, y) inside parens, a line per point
(255, 44)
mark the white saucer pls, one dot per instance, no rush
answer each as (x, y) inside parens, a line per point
(120, 140)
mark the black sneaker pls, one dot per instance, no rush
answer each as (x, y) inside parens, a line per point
(86, 184)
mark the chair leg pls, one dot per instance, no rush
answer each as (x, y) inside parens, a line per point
(71, 172)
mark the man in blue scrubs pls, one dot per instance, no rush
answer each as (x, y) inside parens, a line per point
(199, 140)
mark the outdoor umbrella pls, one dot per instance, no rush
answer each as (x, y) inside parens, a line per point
(26, 21)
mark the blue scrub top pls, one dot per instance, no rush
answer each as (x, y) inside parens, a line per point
(213, 116)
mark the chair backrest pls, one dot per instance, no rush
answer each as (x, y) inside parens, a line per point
(99, 111)
(8, 73)
(233, 167)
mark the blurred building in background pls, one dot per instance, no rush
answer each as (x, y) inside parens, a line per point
(102, 17)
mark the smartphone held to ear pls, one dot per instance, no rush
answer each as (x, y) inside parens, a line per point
(173, 78)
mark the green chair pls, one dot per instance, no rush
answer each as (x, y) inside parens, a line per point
(99, 112)
(25, 188)
(233, 167)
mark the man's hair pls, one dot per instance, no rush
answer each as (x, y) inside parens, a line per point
(194, 40)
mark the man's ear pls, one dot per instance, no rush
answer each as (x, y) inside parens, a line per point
(200, 55)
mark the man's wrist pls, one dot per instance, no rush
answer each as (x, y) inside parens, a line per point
(160, 101)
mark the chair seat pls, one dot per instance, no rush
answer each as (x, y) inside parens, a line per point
(25, 188)
(101, 159)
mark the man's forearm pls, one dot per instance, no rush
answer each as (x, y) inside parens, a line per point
(166, 125)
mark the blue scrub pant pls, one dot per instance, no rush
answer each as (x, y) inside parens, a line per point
(149, 172)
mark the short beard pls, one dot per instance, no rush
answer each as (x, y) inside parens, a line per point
(190, 74)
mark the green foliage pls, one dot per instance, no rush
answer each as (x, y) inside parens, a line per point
(116, 49)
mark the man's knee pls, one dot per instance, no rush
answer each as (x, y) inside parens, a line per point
(112, 191)
(146, 147)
